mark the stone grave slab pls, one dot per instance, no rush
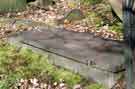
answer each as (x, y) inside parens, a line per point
(91, 56)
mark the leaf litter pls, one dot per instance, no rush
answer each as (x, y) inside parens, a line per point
(50, 16)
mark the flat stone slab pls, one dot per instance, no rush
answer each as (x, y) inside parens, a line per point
(83, 48)
(92, 57)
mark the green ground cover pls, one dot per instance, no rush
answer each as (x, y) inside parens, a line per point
(16, 64)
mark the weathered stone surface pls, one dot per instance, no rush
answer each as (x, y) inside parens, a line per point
(106, 78)
(80, 47)
(92, 57)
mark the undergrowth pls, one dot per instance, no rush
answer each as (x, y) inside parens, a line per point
(16, 64)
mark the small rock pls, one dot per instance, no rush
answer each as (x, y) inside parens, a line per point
(73, 15)
(62, 85)
(78, 86)
(43, 86)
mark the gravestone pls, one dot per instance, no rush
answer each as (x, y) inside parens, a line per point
(92, 57)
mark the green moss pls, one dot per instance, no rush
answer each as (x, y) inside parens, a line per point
(117, 27)
(12, 5)
(16, 64)
(94, 19)
(67, 76)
